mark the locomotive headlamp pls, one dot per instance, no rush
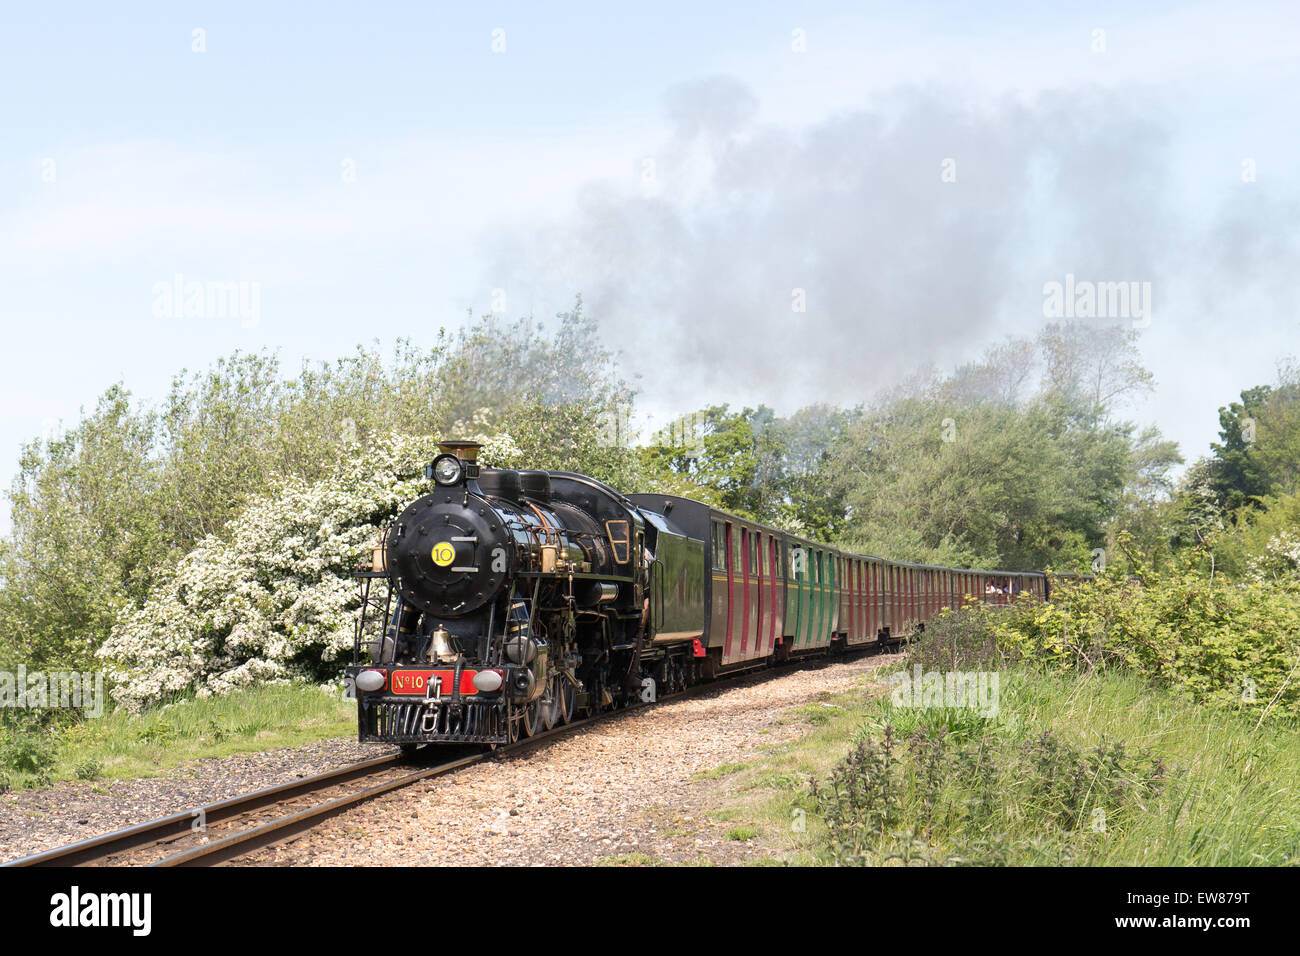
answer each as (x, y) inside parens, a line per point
(371, 680)
(522, 683)
(447, 470)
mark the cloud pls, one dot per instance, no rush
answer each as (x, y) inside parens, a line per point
(704, 271)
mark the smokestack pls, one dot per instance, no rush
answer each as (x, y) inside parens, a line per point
(466, 451)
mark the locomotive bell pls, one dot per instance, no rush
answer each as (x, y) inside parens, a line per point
(443, 651)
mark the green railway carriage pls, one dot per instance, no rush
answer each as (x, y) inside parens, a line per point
(814, 597)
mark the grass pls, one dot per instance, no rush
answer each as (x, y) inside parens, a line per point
(722, 770)
(630, 859)
(1100, 769)
(642, 859)
(122, 745)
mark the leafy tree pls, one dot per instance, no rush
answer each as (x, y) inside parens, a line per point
(731, 453)
(1276, 450)
(754, 463)
(1231, 507)
(1098, 367)
(1237, 477)
(815, 504)
(1017, 460)
(86, 535)
(981, 485)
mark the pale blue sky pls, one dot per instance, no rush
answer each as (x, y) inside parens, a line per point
(127, 159)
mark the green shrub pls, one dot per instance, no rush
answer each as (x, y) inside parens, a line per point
(1230, 643)
(964, 640)
(29, 749)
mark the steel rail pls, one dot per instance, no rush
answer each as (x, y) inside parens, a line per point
(179, 824)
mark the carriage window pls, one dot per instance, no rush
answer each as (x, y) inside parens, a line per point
(719, 547)
(754, 543)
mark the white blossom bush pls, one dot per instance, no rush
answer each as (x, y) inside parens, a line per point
(1280, 560)
(272, 599)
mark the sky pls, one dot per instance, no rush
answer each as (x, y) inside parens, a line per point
(759, 202)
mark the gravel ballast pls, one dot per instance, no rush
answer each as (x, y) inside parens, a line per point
(628, 787)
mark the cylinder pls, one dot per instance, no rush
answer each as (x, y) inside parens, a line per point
(598, 592)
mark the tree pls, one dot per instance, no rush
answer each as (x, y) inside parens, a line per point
(1097, 366)
(1237, 477)
(1276, 450)
(86, 535)
(754, 463)
(979, 485)
(1258, 452)
(1017, 460)
(736, 454)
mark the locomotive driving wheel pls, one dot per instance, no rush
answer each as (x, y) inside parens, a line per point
(548, 708)
(557, 707)
(564, 700)
(530, 721)
(513, 721)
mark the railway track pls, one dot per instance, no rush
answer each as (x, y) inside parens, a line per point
(218, 832)
(223, 831)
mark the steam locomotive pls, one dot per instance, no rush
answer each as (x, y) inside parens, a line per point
(511, 601)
